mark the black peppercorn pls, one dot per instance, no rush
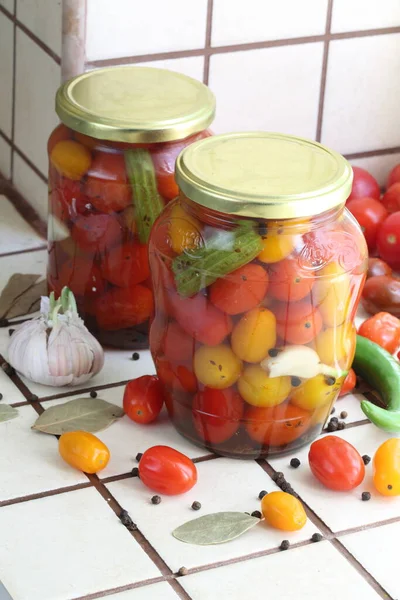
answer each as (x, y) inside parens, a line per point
(365, 496)
(343, 414)
(334, 420)
(296, 381)
(135, 356)
(93, 394)
(284, 545)
(341, 425)
(317, 537)
(11, 331)
(295, 463)
(330, 380)
(135, 471)
(196, 505)
(273, 352)
(332, 426)
(156, 500)
(1, 396)
(182, 571)
(285, 486)
(262, 494)
(333, 410)
(8, 369)
(34, 398)
(127, 521)
(139, 456)
(366, 459)
(277, 476)
(256, 513)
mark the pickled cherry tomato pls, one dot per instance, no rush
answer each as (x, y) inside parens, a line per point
(276, 246)
(177, 377)
(276, 426)
(349, 383)
(254, 335)
(260, 390)
(298, 322)
(143, 399)
(107, 184)
(241, 290)
(331, 293)
(217, 366)
(315, 392)
(60, 133)
(96, 233)
(124, 307)
(337, 345)
(71, 159)
(288, 282)
(199, 318)
(81, 276)
(184, 230)
(177, 345)
(283, 511)
(67, 199)
(126, 265)
(217, 414)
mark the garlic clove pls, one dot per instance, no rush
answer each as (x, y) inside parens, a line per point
(297, 361)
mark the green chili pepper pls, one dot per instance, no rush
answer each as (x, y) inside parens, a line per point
(382, 371)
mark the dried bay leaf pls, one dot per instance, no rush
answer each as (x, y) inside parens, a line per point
(29, 301)
(82, 414)
(17, 285)
(215, 528)
(7, 413)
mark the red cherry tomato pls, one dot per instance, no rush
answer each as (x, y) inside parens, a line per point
(370, 214)
(167, 471)
(391, 198)
(200, 319)
(143, 399)
(383, 329)
(240, 291)
(297, 323)
(278, 425)
(336, 463)
(126, 265)
(81, 276)
(179, 378)
(377, 267)
(124, 307)
(364, 185)
(68, 199)
(290, 282)
(394, 176)
(349, 383)
(178, 346)
(107, 184)
(388, 240)
(59, 134)
(96, 233)
(217, 414)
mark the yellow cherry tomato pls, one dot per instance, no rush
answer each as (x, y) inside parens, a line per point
(71, 159)
(336, 345)
(254, 335)
(217, 366)
(260, 390)
(184, 230)
(386, 468)
(83, 451)
(315, 392)
(283, 511)
(331, 294)
(276, 246)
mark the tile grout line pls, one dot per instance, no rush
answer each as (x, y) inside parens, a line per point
(13, 92)
(23, 156)
(25, 209)
(324, 71)
(26, 251)
(209, 21)
(372, 153)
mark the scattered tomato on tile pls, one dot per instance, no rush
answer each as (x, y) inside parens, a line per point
(167, 471)
(386, 468)
(83, 451)
(283, 511)
(336, 463)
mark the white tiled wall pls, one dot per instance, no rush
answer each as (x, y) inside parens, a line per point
(302, 67)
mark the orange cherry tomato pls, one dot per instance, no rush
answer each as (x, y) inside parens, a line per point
(167, 471)
(278, 425)
(386, 468)
(177, 345)
(96, 233)
(289, 282)
(240, 291)
(143, 399)
(126, 265)
(124, 307)
(107, 184)
(298, 323)
(283, 511)
(217, 414)
(83, 451)
(336, 463)
(349, 383)
(383, 329)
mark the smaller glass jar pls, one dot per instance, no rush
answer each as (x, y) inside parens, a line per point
(111, 171)
(257, 270)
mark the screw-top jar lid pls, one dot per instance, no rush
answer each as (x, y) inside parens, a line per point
(264, 175)
(135, 104)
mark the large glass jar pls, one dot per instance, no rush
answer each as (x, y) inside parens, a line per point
(111, 172)
(257, 270)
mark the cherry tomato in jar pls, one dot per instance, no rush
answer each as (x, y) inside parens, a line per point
(217, 414)
(349, 383)
(143, 399)
(83, 451)
(289, 281)
(370, 214)
(177, 344)
(283, 511)
(394, 176)
(60, 133)
(96, 233)
(386, 468)
(126, 265)
(381, 293)
(383, 329)
(388, 240)
(124, 307)
(179, 378)
(376, 267)
(167, 471)
(107, 184)
(241, 290)
(71, 159)
(276, 426)
(364, 185)
(336, 463)
(298, 322)
(391, 198)
(81, 275)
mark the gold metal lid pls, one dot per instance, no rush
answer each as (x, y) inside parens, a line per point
(135, 104)
(263, 175)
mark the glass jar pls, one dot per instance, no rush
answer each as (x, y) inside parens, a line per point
(111, 172)
(257, 270)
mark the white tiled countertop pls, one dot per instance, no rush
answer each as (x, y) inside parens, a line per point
(60, 533)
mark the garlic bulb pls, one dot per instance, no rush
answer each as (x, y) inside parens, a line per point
(56, 348)
(298, 361)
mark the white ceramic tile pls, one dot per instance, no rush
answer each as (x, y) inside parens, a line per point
(223, 484)
(379, 166)
(262, 20)
(8, 4)
(361, 109)
(351, 404)
(29, 460)
(314, 571)
(135, 28)
(191, 66)
(342, 510)
(43, 18)
(273, 89)
(72, 545)
(6, 72)
(16, 233)
(10, 392)
(156, 591)
(354, 15)
(37, 80)
(31, 186)
(5, 159)
(27, 262)
(375, 549)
